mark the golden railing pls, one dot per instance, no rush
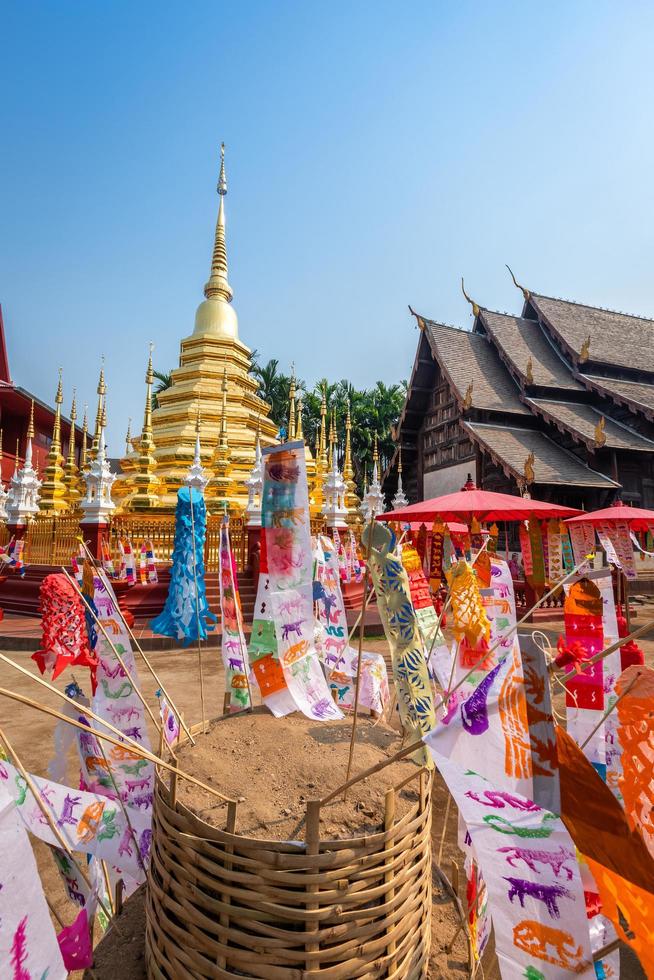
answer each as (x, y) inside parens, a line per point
(160, 529)
(4, 535)
(52, 540)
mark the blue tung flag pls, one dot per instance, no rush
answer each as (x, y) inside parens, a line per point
(186, 615)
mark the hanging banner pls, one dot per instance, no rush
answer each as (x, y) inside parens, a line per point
(88, 822)
(582, 538)
(233, 646)
(525, 547)
(127, 567)
(554, 552)
(262, 651)
(636, 735)
(537, 577)
(540, 720)
(414, 692)
(147, 565)
(28, 944)
(566, 548)
(423, 605)
(584, 637)
(470, 620)
(339, 659)
(436, 557)
(286, 523)
(616, 540)
(116, 701)
(535, 892)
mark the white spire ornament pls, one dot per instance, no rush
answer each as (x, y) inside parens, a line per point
(254, 483)
(97, 505)
(334, 509)
(373, 499)
(400, 499)
(22, 501)
(197, 477)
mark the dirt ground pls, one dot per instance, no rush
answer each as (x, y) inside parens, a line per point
(31, 734)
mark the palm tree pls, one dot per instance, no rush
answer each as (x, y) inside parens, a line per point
(164, 382)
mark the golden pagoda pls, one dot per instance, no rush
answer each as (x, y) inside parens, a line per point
(102, 391)
(83, 455)
(52, 499)
(71, 472)
(352, 501)
(144, 481)
(212, 349)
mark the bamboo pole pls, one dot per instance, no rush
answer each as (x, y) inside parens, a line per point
(197, 611)
(49, 816)
(101, 574)
(135, 749)
(120, 660)
(362, 629)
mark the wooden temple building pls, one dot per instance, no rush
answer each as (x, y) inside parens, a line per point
(557, 401)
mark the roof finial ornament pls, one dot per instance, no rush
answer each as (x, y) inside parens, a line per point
(222, 179)
(467, 398)
(528, 469)
(525, 292)
(419, 320)
(218, 284)
(475, 307)
(529, 374)
(585, 350)
(600, 434)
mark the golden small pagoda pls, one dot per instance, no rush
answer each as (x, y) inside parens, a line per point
(71, 472)
(53, 494)
(144, 481)
(211, 358)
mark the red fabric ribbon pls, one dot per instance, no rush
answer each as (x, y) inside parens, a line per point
(575, 653)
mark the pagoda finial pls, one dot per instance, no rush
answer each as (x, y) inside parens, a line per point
(475, 307)
(299, 427)
(223, 414)
(145, 482)
(30, 427)
(525, 292)
(322, 441)
(291, 407)
(221, 485)
(101, 390)
(128, 438)
(218, 284)
(348, 470)
(83, 462)
(53, 490)
(71, 473)
(400, 498)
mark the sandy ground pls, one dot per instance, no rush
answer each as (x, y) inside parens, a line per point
(31, 731)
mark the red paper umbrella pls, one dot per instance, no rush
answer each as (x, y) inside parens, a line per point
(485, 505)
(637, 518)
(65, 638)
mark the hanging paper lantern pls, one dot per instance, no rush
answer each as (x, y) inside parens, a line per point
(65, 639)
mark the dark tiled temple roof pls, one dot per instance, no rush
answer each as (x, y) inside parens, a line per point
(467, 357)
(617, 339)
(635, 394)
(582, 420)
(518, 340)
(510, 447)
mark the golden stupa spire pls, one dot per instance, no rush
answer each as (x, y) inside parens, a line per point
(71, 473)
(101, 390)
(83, 461)
(299, 427)
(291, 408)
(352, 501)
(30, 427)
(322, 442)
(144, 480)
(221, 463)
(332, 439)
(53, 489)
(128, 438)
(218, 284)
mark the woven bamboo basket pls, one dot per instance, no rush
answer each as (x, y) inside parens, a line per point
(223, 905)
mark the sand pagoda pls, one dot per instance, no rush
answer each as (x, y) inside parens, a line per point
(213, 381)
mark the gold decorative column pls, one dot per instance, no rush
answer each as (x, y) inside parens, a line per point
(83, 456)
(71, 472)
(144, 481)
(101, 390)
(352, 501)
(53, 489)
(220, 486)
(292, 425)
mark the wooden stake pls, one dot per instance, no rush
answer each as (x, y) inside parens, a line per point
(101, 575)
(134, 748)
(49, 816)
(120, 660)
(197, 611)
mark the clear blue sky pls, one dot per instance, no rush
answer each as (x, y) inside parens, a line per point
(376, 152)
